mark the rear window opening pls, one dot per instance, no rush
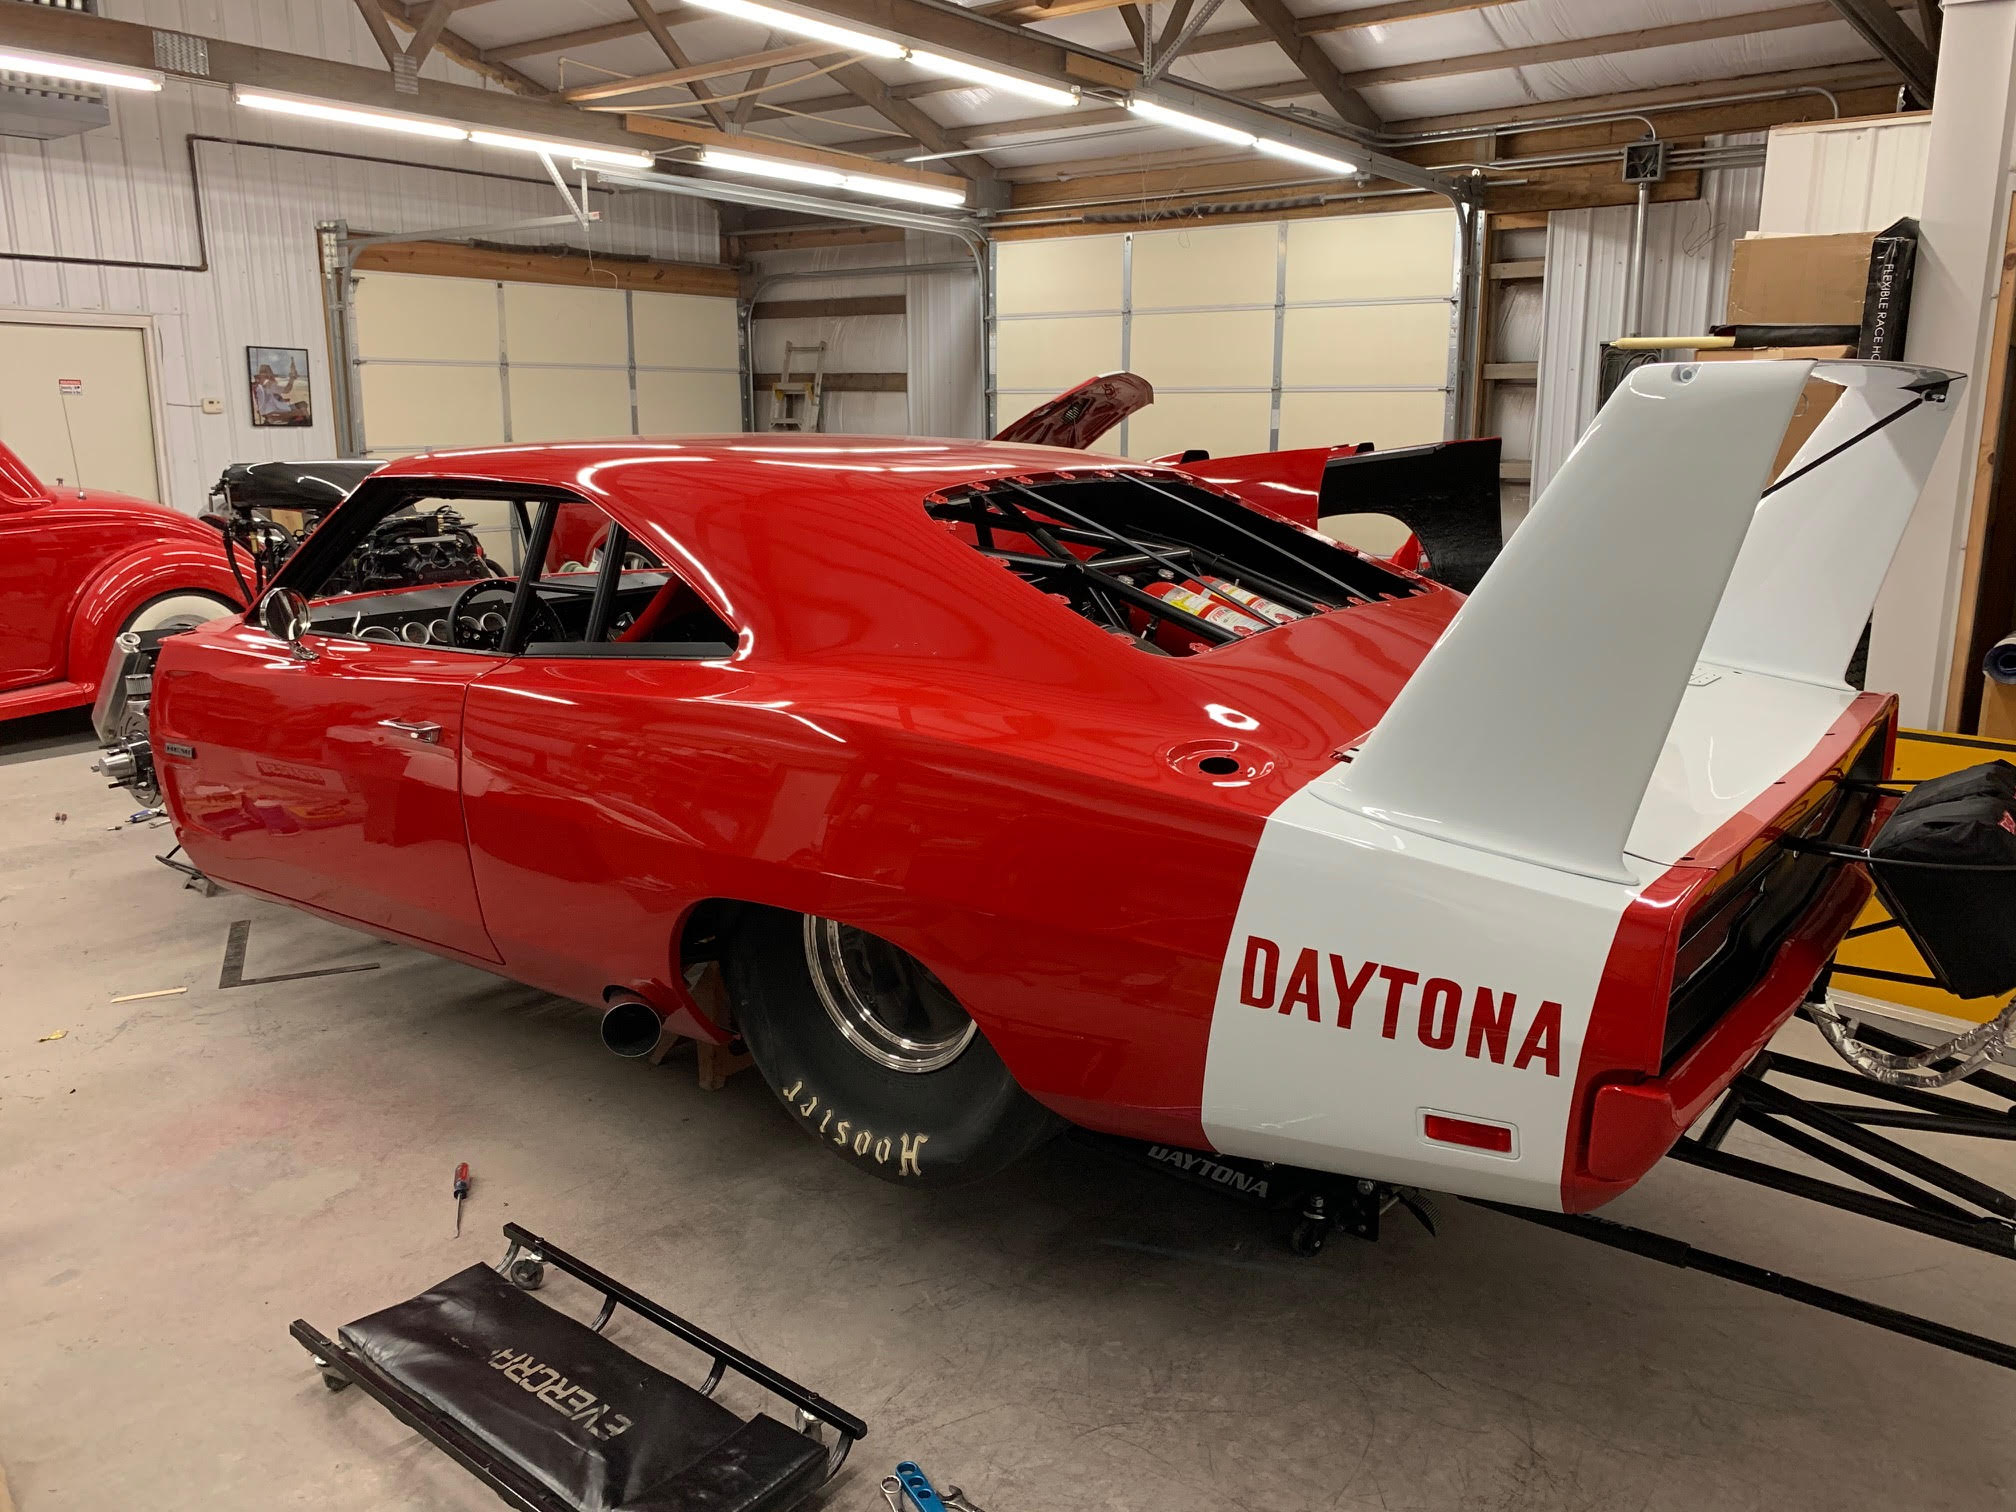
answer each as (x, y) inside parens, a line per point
(1173, 568)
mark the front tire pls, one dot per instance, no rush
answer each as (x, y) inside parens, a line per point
(177, 611)
(873, 1056)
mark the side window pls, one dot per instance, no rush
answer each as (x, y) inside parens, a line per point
(612, 597)
(491, 569)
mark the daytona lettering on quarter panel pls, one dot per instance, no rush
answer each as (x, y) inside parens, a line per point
(1374, 972)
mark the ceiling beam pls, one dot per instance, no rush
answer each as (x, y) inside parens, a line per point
(1030, 12)
(1835, 78)
(1747, 24)
(1895, 43)
(380, 28)
(586, 36)
(452, 44)
(751, 87)
(427, 31)
(904, 116)
(609, 89)
(1314, 64)
(653, 23)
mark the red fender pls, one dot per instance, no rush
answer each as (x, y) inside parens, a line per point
(126, 583)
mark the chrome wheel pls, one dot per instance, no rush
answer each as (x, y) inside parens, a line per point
(886, 1005)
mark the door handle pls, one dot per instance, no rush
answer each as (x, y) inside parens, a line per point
(416, 729)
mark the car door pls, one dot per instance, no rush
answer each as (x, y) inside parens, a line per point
(328, 772)
(333, 783)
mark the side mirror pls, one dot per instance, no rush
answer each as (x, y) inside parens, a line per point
(283, 614)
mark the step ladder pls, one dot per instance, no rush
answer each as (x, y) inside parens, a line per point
(798, 396)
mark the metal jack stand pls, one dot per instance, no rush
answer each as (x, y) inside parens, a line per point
(195, 878)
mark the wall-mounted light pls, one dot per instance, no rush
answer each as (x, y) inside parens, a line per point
(973, 73)
(55, 66)
(777, 168)
(587, 152)
(923, 194)
(831, 178)
(1162, 115)
(1293, 154)
(345, 115)
(795, 25)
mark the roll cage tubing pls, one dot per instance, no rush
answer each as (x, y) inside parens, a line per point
(986, 509)
(324, 550)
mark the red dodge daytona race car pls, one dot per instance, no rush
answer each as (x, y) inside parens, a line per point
(1014, 787)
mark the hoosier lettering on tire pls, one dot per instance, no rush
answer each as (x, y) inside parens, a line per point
(873, 1056)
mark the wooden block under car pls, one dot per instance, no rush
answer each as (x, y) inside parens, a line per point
(1814, 401)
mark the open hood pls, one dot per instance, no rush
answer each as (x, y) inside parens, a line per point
(1080, 416)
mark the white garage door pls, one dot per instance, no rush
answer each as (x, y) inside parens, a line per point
(1256, 338)
(471, 362)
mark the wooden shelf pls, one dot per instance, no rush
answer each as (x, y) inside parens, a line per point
(1514, 471)
(1511, 372)
(1523, 268)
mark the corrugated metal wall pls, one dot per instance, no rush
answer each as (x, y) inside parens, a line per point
(127, 194)
(1824, 177)
(936, 342)
(1687, 254)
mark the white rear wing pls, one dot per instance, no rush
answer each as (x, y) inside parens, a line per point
(1532, 727)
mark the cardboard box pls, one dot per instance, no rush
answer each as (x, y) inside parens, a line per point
(1998, 709)
(1800, 280)
(1814, 401)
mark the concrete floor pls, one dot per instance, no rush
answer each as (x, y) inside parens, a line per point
(184, 1175)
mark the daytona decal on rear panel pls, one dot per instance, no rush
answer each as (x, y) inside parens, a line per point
(1376, 975)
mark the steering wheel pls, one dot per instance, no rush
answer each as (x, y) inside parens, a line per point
(466, 632)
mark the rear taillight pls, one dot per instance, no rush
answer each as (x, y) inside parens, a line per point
(1469, 1133)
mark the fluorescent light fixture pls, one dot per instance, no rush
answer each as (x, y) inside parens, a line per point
(777, 168)
(52, 66)
(1162, 115)
(614, 157)
(1305, 157)
(796, 25)
(923, 194)
(316, 110)
(973, 73)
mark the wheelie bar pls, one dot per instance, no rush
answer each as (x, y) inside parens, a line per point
(1683, 1256)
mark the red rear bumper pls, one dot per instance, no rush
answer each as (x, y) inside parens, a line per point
(1632, 1125)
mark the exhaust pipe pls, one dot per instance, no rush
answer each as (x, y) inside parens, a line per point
(632, 1028)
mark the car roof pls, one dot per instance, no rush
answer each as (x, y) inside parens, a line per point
(747, 466)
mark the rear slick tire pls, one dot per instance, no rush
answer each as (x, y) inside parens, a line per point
(891, 1076)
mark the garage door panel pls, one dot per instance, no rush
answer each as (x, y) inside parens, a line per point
(685, 330)
(1372, 256)
(1375, 346)
(1197, 350)
(553, 323)
(568, 404)
(406, 316)
(1226, 265)
(1386, 419)
(431, 405)
(1051, 355)
(1226, 425)
(1072, 273)
(674, 404)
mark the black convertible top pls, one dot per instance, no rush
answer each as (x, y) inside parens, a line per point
(318, 486)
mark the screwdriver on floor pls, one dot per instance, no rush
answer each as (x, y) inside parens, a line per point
(461, 1191)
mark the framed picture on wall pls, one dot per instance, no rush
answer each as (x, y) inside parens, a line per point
(278, 377)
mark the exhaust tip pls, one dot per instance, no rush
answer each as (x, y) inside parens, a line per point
(631, 1028)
